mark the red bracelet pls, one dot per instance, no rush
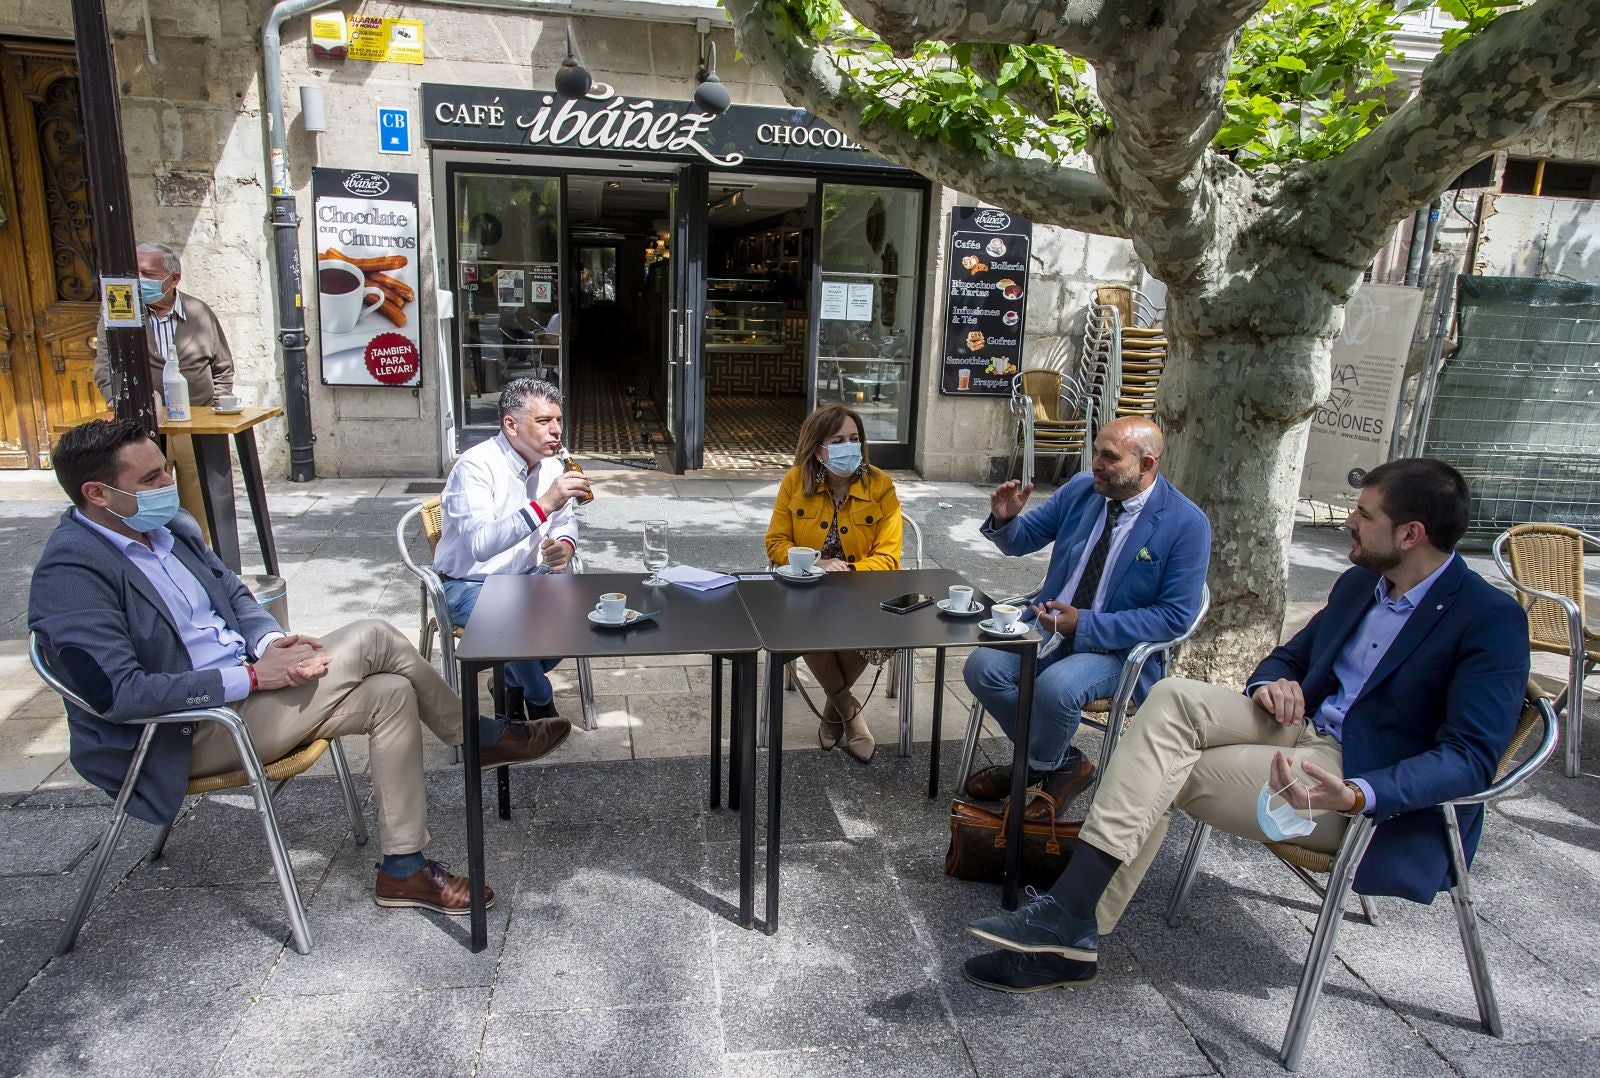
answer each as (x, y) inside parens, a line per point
(255, 685)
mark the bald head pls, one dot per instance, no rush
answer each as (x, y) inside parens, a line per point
(1127, 456)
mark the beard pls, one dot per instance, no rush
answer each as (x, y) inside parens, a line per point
(1379, 561)
(1120, 486)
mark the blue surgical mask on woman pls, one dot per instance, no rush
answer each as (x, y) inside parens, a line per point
(156, 507)
(843, 458)
(152, 291)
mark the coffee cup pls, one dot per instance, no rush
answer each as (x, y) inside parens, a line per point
(612, 607)
(960, 600)
(1005, 615)
(227, 402)
(344, 295)
(801, 559)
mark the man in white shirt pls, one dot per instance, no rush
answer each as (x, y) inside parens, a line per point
(1128, 565)
(508, 509)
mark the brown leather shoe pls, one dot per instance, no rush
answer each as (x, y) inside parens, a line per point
(990, 784)
(432, 888)
(1062, 785)
(524, 741)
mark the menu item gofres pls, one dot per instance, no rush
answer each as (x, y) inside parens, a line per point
(984, 308)
(368, 275)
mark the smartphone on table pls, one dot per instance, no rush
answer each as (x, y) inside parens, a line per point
(905, 604)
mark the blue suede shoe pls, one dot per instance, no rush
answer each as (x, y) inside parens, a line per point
(1004, 971)
(1040, 927)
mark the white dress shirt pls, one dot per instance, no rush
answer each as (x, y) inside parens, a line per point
(490, 529)
(1119, 538)
(163, 326)
(211, 644)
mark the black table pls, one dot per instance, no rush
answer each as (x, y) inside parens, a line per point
(841, 613)
(519, 617)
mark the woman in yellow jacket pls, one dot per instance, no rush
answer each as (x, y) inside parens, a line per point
(837, 503)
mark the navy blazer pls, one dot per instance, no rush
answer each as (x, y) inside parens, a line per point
(1430, 724)
(1153, 587)
(108, 634)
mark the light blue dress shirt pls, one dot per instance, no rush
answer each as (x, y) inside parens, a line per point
(1361, 655)
(211, 644)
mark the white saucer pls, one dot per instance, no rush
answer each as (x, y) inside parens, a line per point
(989, 627)
(228, 411)
(787, 572)
(630, 617)
(973, 609)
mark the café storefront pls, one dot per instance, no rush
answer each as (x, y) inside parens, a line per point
(695, 284)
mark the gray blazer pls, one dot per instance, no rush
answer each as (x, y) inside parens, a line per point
(108, 634)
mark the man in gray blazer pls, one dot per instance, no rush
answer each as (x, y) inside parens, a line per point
(179, 326)
(140, 618)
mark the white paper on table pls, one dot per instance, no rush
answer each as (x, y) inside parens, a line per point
(696, 579)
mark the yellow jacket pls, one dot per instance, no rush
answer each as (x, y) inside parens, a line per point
(869, 519)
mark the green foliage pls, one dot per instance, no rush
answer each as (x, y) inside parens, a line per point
(1307, 79)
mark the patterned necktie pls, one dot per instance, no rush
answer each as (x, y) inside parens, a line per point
(1089, 583)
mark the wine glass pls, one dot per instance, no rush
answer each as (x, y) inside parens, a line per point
(655, 551)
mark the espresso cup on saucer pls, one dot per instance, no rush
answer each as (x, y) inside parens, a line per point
(802, 559)
(960, 600)
(1005, 616)
(612, 607)
(227, 402)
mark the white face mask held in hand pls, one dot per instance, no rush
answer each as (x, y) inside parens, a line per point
(1283, 823)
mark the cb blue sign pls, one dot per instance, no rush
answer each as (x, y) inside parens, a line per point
(394, 131)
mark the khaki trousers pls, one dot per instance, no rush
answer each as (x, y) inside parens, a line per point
(180, 457)
(376, 685)
(1207, 750)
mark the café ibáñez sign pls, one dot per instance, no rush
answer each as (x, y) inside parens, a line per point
(609, 123)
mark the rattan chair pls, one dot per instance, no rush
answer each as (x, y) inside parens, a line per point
(435, 608)
(1538, 718)
(901, 666)
(1038, 399)
(254, 774)
(1546, 568)
(1106, 715)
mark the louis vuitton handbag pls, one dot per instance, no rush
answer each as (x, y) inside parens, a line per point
(978, 845)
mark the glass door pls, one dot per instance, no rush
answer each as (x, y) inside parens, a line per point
(508, 289)
(867, 307)
(685, 320)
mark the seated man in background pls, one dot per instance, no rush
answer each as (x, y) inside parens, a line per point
(1128, 565)
(139, 617)
(1401, 693)
(507, 509)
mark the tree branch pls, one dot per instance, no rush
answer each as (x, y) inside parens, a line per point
(1476, 99)
(1086, 28)
(810, 78)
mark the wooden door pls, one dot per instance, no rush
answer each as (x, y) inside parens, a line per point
(49, 294)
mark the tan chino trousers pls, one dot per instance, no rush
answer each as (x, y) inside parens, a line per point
(376, 685)
(1206, 749)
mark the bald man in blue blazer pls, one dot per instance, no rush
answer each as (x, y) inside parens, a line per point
(1128, 566)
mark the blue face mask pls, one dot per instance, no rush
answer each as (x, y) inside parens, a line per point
(1283, 823)
(843, 458)
(152, 291)
(156, 507)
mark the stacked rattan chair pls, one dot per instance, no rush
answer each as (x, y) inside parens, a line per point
(1043, 403)
(1135, 346)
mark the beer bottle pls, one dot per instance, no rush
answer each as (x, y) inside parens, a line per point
(570, 465)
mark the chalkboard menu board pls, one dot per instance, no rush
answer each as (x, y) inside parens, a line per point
(985, 302)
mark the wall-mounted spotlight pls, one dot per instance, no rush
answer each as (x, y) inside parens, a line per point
(711, 96)
(573, 80)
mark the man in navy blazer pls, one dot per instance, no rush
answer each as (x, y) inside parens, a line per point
(140, 619)
(1128, 566)
(1401, 693)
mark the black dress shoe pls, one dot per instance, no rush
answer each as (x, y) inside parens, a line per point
(1007, 971)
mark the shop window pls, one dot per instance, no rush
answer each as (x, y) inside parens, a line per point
(1551, 179)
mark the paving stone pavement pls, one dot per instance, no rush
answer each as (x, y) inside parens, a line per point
(613, 948)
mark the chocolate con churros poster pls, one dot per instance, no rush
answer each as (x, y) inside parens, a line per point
(985, 302)
(366, 277)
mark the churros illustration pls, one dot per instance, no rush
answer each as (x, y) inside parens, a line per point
(396, 293)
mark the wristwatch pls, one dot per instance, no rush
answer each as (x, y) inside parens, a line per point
(1361, 800)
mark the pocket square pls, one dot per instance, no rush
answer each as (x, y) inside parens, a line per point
(1143, 555)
